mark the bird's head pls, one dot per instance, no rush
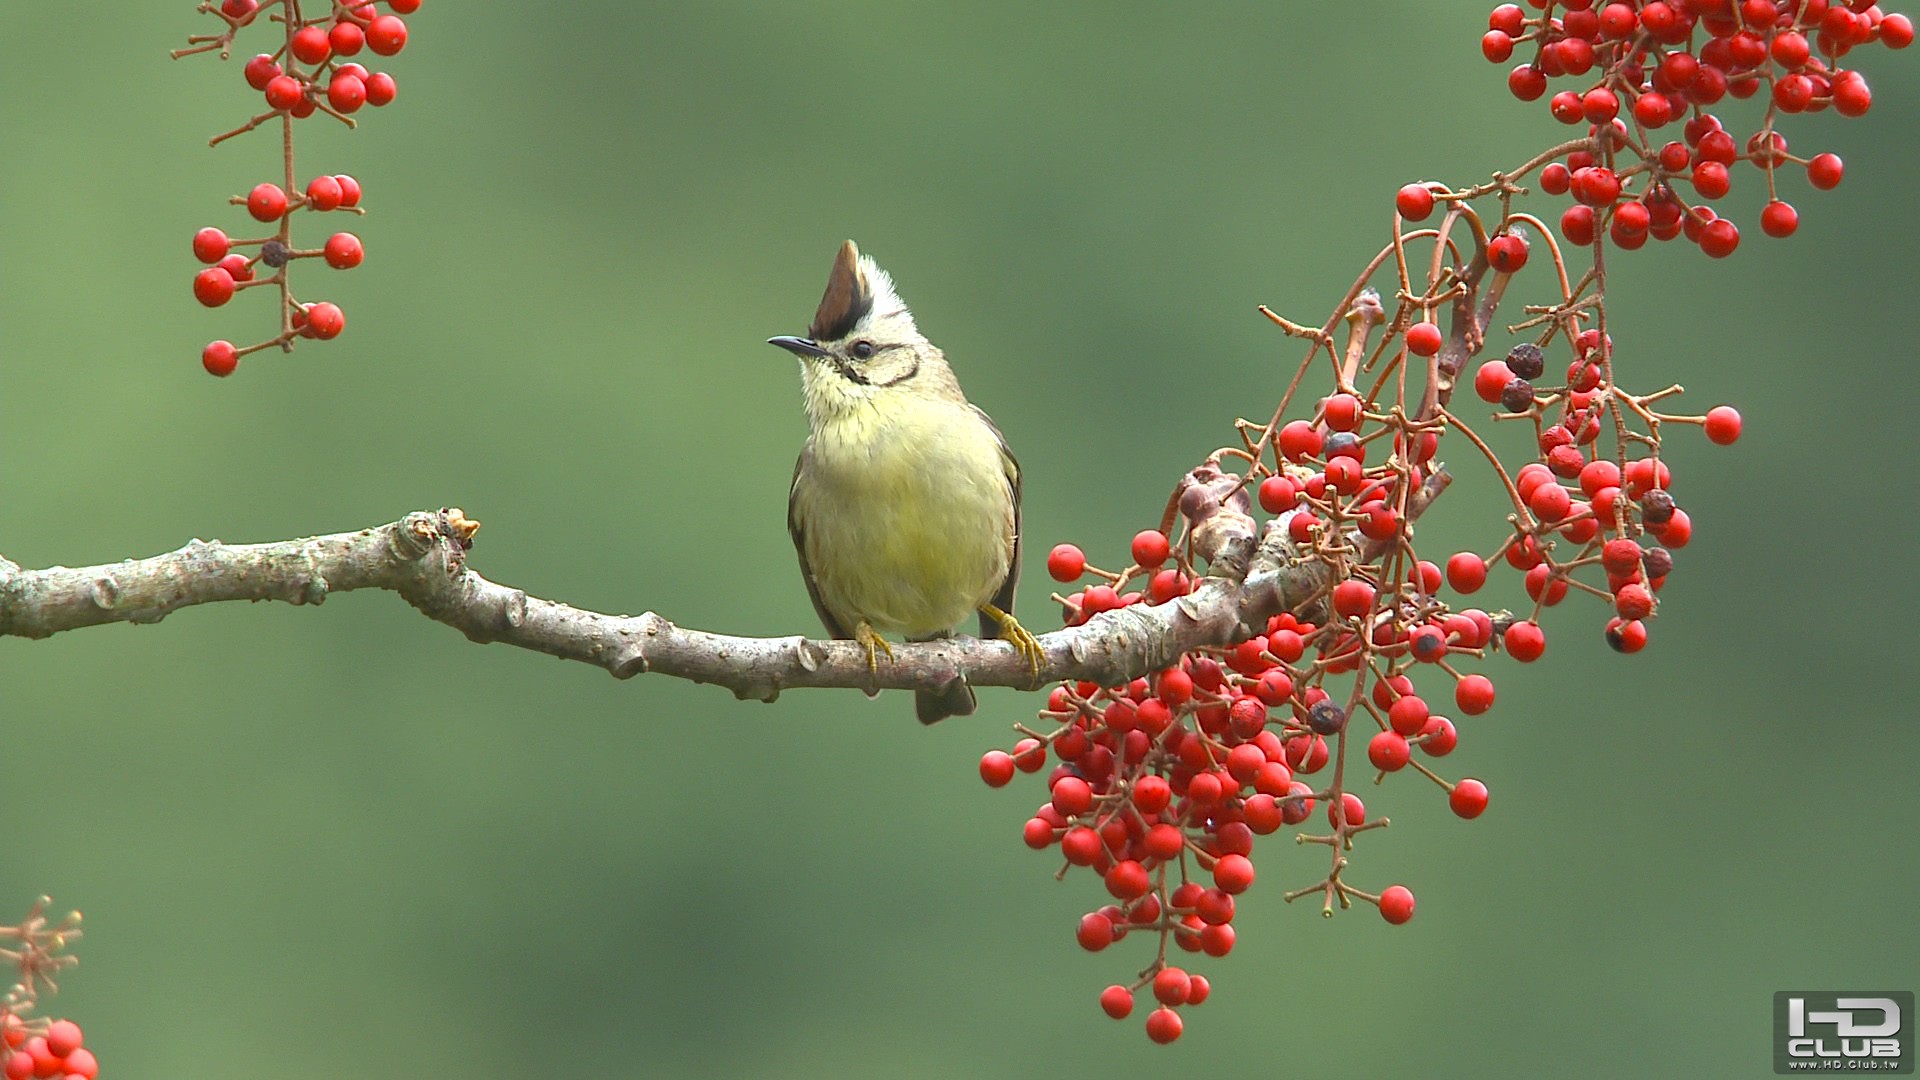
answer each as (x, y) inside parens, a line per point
(863, 346)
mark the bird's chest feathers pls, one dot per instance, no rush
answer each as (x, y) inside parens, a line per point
(912, 522)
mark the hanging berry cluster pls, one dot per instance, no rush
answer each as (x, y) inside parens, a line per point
(1642, 67)
(308, 73)
(31, 1047)
(1159, 785)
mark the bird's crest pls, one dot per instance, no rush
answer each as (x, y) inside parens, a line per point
(856, 289)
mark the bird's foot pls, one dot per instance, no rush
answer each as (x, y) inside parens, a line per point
(1020, 637)
(865, 635)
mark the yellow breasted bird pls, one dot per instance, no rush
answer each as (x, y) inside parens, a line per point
(905, 507)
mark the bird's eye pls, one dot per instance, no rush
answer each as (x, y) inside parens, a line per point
(862, 350)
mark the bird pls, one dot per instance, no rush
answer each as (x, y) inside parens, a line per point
(905, 503)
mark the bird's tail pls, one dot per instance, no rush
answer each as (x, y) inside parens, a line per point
(954, 699)
(933, 706)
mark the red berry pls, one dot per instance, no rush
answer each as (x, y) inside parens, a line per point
(1353, 598)
(1277, 494)
(1825, 171)
(386, 35)
(1896, 31)
(1507, 253)
(1389, 751)
(210, 245)
(1473, 694)
(1233, 873)
(1151, 794)
(1408, 715)
(1719, 238)
(404, 7)
(18, 1065)
(1653, 110)
(346, 38)
(1527, 82)
(1576, 224)
(1490, 382)
(1565, 107)
(326, 320)
(1342, 412)
(1171, 986)
(266, 202)
(45, 1065)
(1626, 637)
(1128, 880)
(1555, 179)
(1396, 904)
(1466, 572)
(346, 92)
(1423, 339)
(1438, 737)
(1300, 440)
(1851, 96)
(1633, 602)
(237, 267)
(1072, 796)
(1117, 1002)
(63, 1038)
(1095, 932)
(323, 193)
(310, 45)
(260, 71)
(1065, 563)
(1550, 502)
(1496, 46)
(1525, 641)
(1723, 424)
(381, 89)
(220, 358)
(996, 766)
(349, 190)
(1415, 201)
(343, 251)
(1779, 218)
(1150, 548)
(1600, 105)
(1163, 1025)
(1710, 179)
(284, 92)
(81, 1063)
(1468, 798)
(213, 286)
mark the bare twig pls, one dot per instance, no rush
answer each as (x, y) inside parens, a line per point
(423, 558)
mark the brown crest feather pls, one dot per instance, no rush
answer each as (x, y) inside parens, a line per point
(848, 298)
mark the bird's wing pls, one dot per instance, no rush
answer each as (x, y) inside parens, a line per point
(797, 530)
(1003, 598)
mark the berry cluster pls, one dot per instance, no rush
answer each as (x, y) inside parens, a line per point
(52, 1054)
(1643, 66)
(307, 74)
(1160, 784)
(30, 1048)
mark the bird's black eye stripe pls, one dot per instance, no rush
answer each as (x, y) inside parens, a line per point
(862, 350)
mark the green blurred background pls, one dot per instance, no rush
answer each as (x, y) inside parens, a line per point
(309, 840)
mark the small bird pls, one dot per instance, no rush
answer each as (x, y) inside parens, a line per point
(905, 506)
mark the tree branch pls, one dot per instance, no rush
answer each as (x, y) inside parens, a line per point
(423, 558)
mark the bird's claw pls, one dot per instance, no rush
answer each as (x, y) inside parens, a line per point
(876, 645)
(1020, 638)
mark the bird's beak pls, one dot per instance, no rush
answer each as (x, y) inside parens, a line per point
(798, 346)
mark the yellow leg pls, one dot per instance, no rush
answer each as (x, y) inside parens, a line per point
(865, 635)
(1022, 639)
